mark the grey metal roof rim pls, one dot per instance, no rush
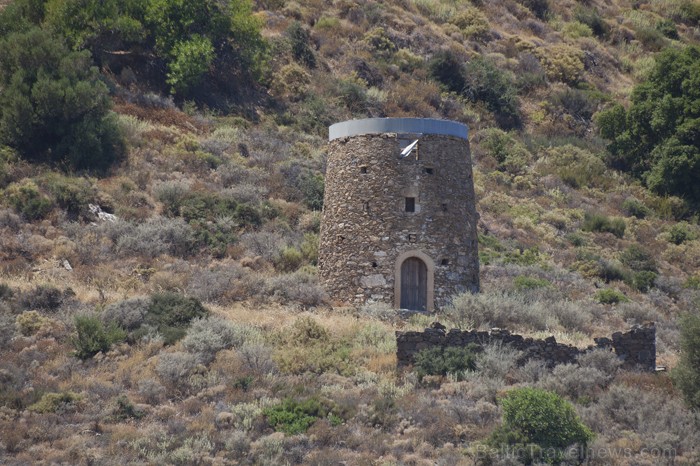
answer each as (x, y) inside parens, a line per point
(398, 125)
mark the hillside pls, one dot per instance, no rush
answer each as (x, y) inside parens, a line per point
(158, 293)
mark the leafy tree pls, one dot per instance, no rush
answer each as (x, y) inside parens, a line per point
(53, 106)
(686, 375)
(658, 138)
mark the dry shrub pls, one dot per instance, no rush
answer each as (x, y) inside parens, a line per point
(561, 62)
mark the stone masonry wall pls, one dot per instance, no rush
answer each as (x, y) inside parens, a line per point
(365, 227)
(636, 348)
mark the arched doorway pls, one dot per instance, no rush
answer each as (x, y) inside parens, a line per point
(414, 285)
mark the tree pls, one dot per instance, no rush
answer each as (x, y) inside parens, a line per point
(53, 106)
(686, 375)
(658, 138)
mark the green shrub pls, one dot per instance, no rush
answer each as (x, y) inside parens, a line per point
(71, 194)
(591, 18)
(299, 40)
(512, 156)
(610, 296)
(43, 297)
(27, 200)
(290, 259)
(576, 167)
(54, 402)
(638, 259)
(93, 337)
(532, 416)
(471, 21)
(171, 314)
(603, 224)
(191, 59)
(447, 69)
(485, 82)
(644, 280)
(680, 233)
(686, 375)
(295, 417)
(539, 8)
(439, 360)
(524, 282)
(635, 208)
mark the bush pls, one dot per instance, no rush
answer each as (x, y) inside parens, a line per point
(539, 8)
(447, 69)
(524, 282)
(42, 297)
(299, 39)
(638, 259)
(295, 417)
(54, 108)
(171, 313)
(576, 167)
(128, 314)
(604, 224)
(72, 194)
(487, 83)
(30, 322)
(610, 296)
(54, 402)
(561, 62)
(635, 208)
(207, 336)
(644, 280)
(93, 337)
(512, 156)
(27, 200)
(591, 18)
(680, 233)
(537, 417)
(438, 360)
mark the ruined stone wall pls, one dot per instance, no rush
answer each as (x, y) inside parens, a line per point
(366, 232)
(636, 348)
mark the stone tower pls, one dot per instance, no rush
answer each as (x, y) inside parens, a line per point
(399, 219)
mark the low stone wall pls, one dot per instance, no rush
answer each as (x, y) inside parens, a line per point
(636, 348)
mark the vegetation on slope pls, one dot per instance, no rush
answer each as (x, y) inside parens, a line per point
(212, 167)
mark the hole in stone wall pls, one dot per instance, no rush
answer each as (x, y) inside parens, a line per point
(444, 207)
(340, 238)
(428, 170)
(410, 204)
(375, 265)
(365, 206)
(445, 262)
(363, 169)
(412, 238)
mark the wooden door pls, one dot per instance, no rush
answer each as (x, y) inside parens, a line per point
(414, 285)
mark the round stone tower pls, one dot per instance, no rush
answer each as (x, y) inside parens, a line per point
(399, 217)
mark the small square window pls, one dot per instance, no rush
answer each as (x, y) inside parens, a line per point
(410, 204)
(445, 262)
(428, 171)
(363, 169)
(412, 238)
